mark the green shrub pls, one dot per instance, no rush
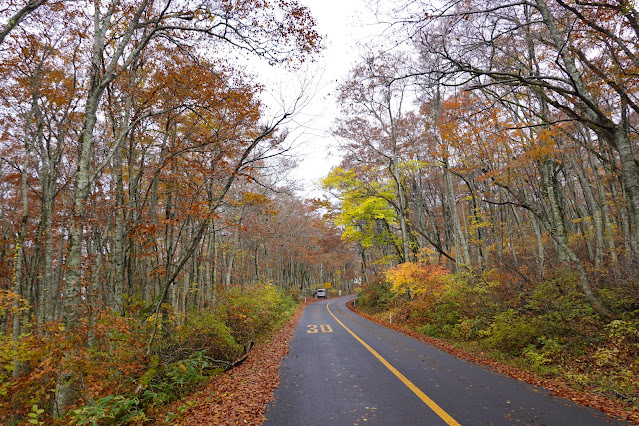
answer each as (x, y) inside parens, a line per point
(560, 302)
(621, 332)
(463, 310)
(430, 330)
(179, 378)
(112, 409)
(374, 296)
(207, 331)
(251, 313)
(538, 361)
(545, 356)
(446, 315)
(511, 332)
(470, 328)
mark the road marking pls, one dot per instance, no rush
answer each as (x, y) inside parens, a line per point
(312, 328)
(421, 395)
(326, 328)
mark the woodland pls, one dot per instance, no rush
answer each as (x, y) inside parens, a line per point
(490, 183)
(488, 193)
(147, 238)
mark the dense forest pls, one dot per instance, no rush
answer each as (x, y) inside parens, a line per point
(141, 189)
(488, 192)
(490, 182)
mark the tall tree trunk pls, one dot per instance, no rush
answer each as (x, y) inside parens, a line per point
(540, 255)
(608, 227)
(215, 264)
(558, 232)
(19, 284)
(461, 245)
(120, 237)
(402, 208)
(555, 215)
(630, 180)
(595, 213)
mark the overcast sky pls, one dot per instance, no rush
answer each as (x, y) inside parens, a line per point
(345, 26)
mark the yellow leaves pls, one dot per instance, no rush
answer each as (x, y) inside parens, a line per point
(12, 302)
(252, 198)
(417, 279)
(339, 179)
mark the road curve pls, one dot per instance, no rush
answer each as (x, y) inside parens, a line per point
(343, 369)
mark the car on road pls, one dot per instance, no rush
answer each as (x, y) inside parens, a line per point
(321, 293)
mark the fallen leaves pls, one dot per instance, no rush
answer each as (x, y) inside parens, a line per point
(238, 396)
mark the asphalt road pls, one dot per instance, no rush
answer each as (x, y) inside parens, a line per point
(374, 375)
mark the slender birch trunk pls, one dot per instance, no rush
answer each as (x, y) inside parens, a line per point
(461, 245)
(595, 213)
(18, 284)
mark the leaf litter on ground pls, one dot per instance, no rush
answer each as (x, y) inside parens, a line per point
(237, 396)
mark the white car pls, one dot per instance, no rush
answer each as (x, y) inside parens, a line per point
(320, 293)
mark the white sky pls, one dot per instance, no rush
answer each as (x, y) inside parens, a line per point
(345, 26)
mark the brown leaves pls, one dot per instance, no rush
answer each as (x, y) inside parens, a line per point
(238, 396)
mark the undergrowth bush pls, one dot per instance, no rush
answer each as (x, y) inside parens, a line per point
(179, 378)
(116, 383)
(207, 332)
(105, 358)
(548, 327)
(374, 296)
(545, 357)
(112, 409)
(511, 332)
(253, 312)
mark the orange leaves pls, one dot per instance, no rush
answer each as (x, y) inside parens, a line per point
(116, 354)
(492, 143)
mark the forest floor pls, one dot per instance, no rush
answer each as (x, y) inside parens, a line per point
(237, 396)
(555, 386)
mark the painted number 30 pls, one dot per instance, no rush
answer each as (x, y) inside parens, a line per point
(325, 328)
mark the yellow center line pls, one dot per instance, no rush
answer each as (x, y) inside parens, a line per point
(421, 395)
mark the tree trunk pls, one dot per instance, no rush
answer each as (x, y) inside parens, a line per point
(401, 201)
(630, 180)
(540, 245)
(566, 255)
(18, 285)
(121, 236)
(555, 215)
(595, 213)
(461, 245)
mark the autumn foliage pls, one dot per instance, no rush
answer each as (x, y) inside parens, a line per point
(421, 280)
(110, 357)
(501, 139)
(142, 216)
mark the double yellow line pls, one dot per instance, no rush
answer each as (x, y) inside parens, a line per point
(421, 395)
